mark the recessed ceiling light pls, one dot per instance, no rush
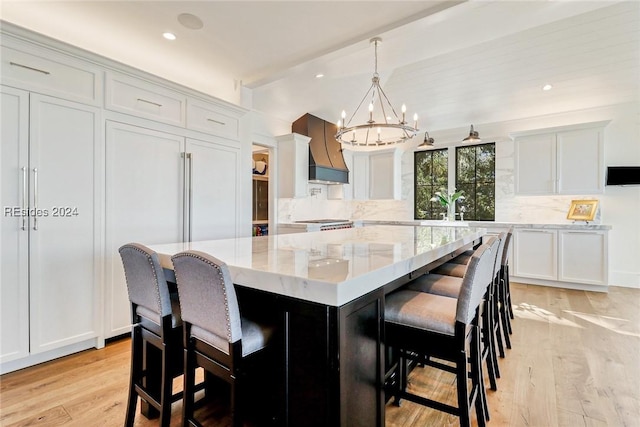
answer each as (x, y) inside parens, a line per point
(169, 36)
(319, 76)
(547, 87)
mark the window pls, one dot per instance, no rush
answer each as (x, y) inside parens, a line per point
(431, 175)
(475, 175)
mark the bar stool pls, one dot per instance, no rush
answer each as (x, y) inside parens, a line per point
(216, 337)
(422, 325)
(456, 268)
(450, 286)
(156, 322)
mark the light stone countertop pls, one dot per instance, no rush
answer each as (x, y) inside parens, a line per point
(329, 267)
(487, 224)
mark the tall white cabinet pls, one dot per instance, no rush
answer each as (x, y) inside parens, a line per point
(49, 254)
(162, 188)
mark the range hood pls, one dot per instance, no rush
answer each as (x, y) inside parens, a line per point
(326, 163)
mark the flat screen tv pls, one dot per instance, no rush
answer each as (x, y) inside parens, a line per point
(623, 175)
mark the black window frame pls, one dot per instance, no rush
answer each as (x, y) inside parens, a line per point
(434, 208)
(473, 217)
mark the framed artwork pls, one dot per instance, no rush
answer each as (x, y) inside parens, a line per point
(582, 210)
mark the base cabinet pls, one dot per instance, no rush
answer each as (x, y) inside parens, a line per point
(583, 257)
(536, 254)
(50, 234)
(572, 258)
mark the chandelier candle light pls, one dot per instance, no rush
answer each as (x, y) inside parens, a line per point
(372, 132)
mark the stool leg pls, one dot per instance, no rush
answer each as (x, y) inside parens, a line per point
(188, 387)
(165, 393)
(463, 392)
(136, 374)
(477, 380)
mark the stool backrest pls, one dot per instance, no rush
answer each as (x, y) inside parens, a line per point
(502, 237)
(476, 280)
(146, 284)
(507, 244)
(207, 297)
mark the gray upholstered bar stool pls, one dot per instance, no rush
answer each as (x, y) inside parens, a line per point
(425, 326)
(450, 286)
(216, 337)
(156, 322)
(457, 267)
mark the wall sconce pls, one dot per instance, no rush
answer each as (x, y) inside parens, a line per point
(428, 141)
(473, 136)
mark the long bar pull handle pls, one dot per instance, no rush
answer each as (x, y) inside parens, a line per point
(217, 121)
(150, 102)
(35, 198)
(185, 203)
(190, 195)
(24, 198)
(15, 64)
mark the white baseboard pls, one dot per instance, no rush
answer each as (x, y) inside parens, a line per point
(624, 279)
(557, 284)
(35, 359)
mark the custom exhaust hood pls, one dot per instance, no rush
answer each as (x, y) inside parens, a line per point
(326, 163)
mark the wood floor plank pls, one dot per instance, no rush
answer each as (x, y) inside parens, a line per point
(575, 362)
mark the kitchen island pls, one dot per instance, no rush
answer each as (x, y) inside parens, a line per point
(326, 292)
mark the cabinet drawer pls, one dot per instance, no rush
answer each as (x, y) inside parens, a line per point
(133, 96)
(211, 119)
(50, 73)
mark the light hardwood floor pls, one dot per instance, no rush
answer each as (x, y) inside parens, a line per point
(575, 362)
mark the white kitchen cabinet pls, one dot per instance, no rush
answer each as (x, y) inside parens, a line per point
(376, 175)
(162, 188)
(568, 160)
(535, 253)
(50, 258)
(583, 257)
(135, 96)
(565, 257)
(41, 70)
(293, 169)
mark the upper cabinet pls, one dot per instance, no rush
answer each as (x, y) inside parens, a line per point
(134, 96)
(568, 160)
(48, 72)
(376, 175)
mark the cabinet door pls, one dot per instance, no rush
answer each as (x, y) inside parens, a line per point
(583, 257)
(360, 176)
(62, 259)
(14, 229)
(535, 254)
(214, 190)
(381, 176)
(144, 204)
(580, 161)
(535, 164)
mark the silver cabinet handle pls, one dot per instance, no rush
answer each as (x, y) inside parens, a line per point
(150, 102)
(217, 121)
(24, 198)
(15, 64)
(35, 198)
(190, 194)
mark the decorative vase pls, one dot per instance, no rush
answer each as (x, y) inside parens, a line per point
(451, 211)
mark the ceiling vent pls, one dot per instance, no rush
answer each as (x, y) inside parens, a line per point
(326, 163)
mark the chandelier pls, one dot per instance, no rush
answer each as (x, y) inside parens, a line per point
(386, 127)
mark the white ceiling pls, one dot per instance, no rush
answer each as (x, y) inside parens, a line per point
(451, 62)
